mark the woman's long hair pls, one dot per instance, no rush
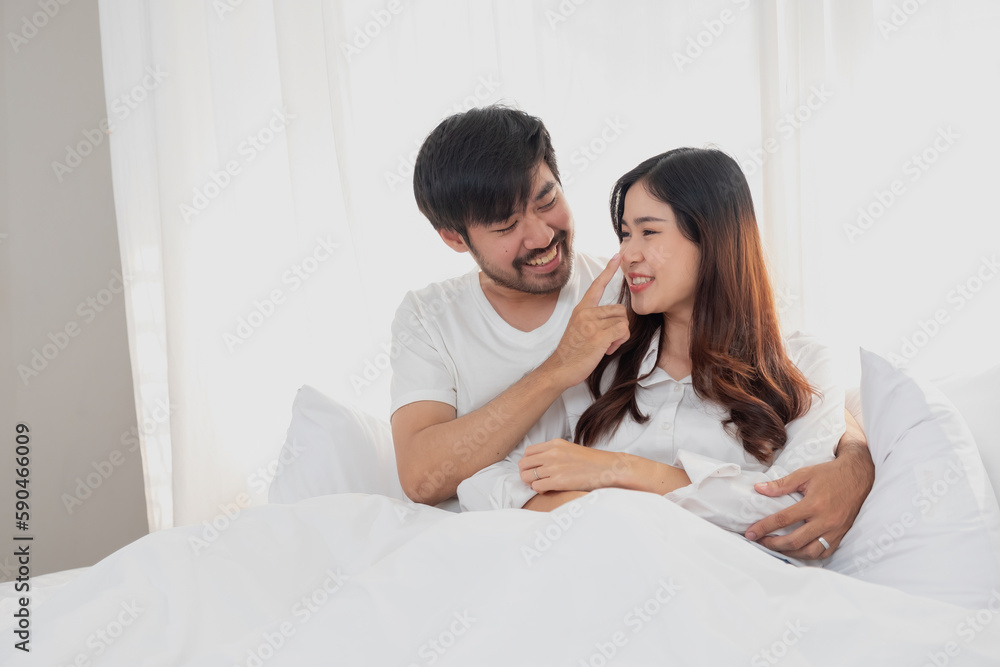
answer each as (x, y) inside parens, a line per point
(737, 354)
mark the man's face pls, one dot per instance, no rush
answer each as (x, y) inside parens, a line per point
(532, 251)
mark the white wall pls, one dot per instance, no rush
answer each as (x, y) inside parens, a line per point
(61, 249)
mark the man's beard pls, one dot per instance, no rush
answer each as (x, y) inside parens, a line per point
(517, 279)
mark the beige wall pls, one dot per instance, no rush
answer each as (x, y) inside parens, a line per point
(61, 249)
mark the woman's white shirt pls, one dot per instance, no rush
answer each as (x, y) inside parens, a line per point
(686, 431)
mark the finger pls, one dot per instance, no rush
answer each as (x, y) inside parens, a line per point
(593, 295)
(536, 460)
(620, 331)
(609, 330)
(538, 448)
(619, 341)
(780, 487)
(615, 345)
(776, 521)
(544, 485)
(812, 551)
(799, 538)
(528, 476)
(610, 311)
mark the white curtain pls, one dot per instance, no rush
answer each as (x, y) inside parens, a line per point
(262, 157)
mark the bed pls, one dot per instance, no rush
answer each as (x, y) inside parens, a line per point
(616, 577)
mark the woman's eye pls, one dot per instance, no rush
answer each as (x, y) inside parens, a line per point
(648, 232)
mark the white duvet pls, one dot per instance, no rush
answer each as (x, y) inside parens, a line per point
(615, 578)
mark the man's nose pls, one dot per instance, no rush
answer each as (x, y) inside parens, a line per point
(538, 234)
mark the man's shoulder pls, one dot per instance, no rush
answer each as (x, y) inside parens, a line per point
(440, 296)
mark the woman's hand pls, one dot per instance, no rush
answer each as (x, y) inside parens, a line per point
(565, 466)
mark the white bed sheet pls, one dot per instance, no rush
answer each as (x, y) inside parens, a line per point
(42, 588)
(618, 577)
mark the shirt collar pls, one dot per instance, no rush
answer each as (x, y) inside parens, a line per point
(649, 364)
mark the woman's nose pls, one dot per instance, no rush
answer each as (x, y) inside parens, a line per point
(630, 253)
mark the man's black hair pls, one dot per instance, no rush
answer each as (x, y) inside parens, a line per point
(477, 167)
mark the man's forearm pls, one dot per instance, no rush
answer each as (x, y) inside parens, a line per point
(853, 445)
(853, 452)
(857, 460)
(446, 454)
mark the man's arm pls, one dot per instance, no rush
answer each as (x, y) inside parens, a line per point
(436, 451)
(833, 495)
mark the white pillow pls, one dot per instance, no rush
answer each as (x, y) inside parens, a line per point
(930, 525)
(977, 397)
(334, 448)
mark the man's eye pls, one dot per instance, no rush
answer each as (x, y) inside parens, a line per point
(550, 204)
(506, 229)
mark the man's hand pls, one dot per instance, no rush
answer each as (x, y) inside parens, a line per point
(833, 495)
(593, 331)
(436, 449)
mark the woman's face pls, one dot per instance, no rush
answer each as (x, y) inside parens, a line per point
(660, 264)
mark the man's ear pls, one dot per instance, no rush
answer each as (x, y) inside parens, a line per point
(454, 240)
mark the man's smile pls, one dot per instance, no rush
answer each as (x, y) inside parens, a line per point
(548, 261)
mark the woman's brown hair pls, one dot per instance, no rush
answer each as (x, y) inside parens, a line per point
(738, 357)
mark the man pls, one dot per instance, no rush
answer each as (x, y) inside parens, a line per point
(480, 358)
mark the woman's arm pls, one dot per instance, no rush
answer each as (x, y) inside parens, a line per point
(559, 465)
(546, 502)
(500, 486)
(646, 475)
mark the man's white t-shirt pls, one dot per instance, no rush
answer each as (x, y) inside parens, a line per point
(450, 345)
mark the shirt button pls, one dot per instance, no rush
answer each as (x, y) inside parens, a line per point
(666, 426)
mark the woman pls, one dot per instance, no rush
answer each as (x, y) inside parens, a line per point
(706, 398)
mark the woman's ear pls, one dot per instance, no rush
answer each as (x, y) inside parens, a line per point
(454, 240)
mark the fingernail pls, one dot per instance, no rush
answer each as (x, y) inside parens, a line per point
(751, 535)
(616, 255)
(762, 485)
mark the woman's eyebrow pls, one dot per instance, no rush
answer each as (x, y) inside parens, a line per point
(643, 220)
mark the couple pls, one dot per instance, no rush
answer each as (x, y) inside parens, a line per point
(540, 377)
